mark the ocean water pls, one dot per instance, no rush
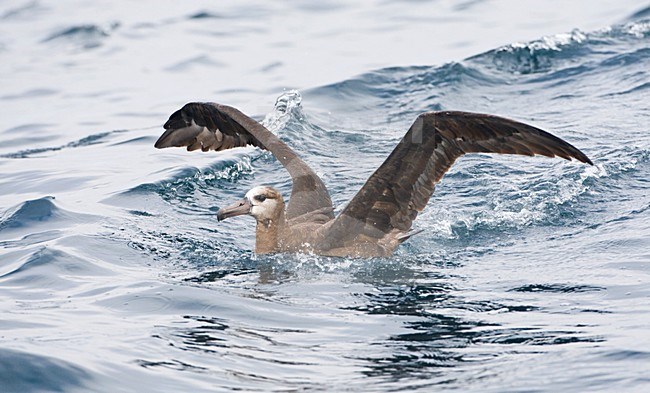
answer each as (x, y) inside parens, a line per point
(531, 274)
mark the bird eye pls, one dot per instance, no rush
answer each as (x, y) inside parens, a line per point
(260, 198)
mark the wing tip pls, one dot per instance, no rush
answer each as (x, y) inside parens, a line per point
(574, 154)
(176, 121)
(586, 159)
(577, 154)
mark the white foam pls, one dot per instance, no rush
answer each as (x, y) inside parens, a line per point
(637, 29)
(553, 42)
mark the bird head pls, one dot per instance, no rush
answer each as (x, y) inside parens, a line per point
(264, 203)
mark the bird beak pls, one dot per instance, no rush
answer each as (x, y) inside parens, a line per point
(244, 206)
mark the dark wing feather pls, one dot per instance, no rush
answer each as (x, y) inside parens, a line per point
(393, 196)
(210, 126)
(204, 126)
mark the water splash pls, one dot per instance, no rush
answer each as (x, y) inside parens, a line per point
(287, 106)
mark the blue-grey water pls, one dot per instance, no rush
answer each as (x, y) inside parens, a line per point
(531, 274)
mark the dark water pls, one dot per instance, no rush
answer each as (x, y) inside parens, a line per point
(531, 274)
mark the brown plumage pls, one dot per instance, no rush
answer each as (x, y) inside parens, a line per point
(380, 215)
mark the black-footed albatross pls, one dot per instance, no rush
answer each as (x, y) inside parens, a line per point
(380, 215)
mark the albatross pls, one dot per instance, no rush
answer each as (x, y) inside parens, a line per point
(380, 215)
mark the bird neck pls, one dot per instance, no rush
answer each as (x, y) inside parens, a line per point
(268, 232)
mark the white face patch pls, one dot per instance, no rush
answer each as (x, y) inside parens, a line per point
(259, 190)
(262, 210)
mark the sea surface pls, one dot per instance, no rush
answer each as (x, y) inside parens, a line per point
(531, 274)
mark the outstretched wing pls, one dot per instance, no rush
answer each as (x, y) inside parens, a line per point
(392, 197)
(210, 126)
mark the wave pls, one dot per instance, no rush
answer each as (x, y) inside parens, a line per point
(536, 56)
(38, 219)
(50, 268)
(85, 141)
(422, 88)
(88, 36)
(394, 94)
(26, 11)
(559, 50)
(195, 62)
(26, 372)
(36, 210)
